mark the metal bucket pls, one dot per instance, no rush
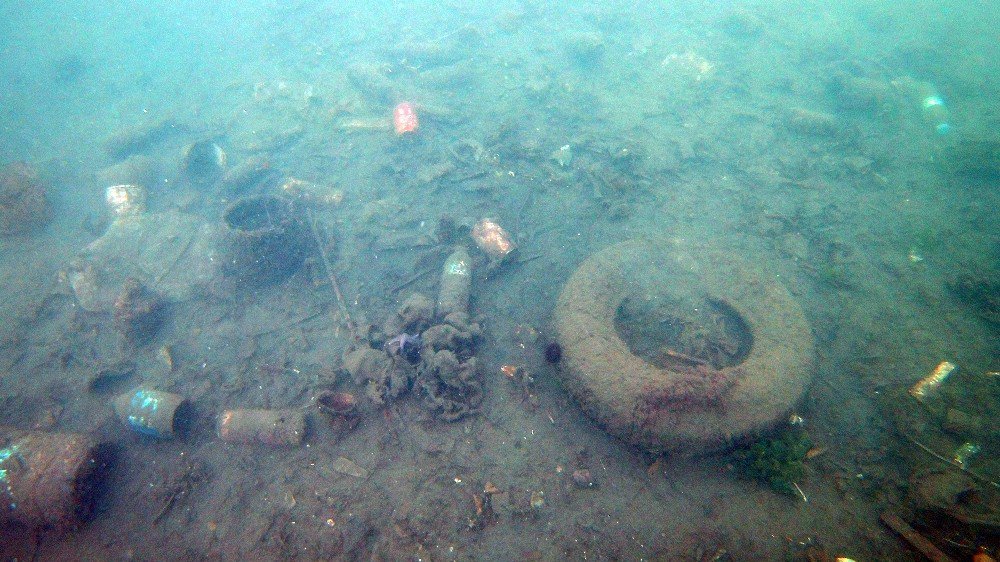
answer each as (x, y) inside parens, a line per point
(264, 241)
(49, 480)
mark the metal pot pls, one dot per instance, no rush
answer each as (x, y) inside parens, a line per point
(48, 480)
(264, 241)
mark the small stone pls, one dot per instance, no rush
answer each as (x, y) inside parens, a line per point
(537, 500)
(562, 155)
(346, 466)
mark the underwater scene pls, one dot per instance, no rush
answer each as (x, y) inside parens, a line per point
(698, 281)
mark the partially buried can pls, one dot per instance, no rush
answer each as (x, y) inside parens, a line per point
(492, 239)
(48, 480)
(927, 386)
(152, 412)
(276, 428)
(456, 283)
(404, 118)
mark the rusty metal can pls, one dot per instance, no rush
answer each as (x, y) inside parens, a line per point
(48, 480)
(492, 239)
(152, 412)
(276, 428)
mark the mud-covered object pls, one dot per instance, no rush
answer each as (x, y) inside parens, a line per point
(383, 377)
(457, 332)
(446, 367)
(263, 241)
(414, 315)
(447, 375)
(690, 410)
(171, 253)
(138, 312)
(275, 428)
(24, 206)
(456, 283)
(956, 495)
(48, 480)
(452, 390)
(203, 163)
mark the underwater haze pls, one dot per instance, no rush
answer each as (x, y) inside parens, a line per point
(526, 280)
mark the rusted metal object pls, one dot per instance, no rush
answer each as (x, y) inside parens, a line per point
(264, 241)
(277, 428)
(492, 239)
(48, 480)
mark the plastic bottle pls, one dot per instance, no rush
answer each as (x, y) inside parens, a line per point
(456, 283)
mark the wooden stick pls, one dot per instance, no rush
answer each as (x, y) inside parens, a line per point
(330, 275)
(915, 539)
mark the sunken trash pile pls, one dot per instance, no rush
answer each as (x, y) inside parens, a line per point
(427, 347)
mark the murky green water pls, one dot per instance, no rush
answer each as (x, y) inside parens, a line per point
(848, 153)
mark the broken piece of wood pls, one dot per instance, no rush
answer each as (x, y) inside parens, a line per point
(915, 539)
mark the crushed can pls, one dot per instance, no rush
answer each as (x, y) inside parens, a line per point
(928, 385)
(492, 239)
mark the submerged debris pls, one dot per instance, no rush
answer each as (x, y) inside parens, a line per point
(929, 384)
(582, 478)
(126, 200)
(981, 292)
(24, 204)
(777, 461)
(438, 359)
(276, 428)
(110, 378)
(138, 312)
(141, 138)
(204, 162)
(346, 466)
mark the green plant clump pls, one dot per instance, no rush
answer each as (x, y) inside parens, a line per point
(776, 461)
